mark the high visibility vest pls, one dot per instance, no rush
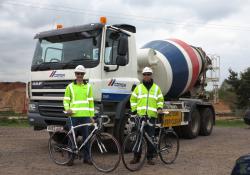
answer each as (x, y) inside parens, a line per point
(79, 98)
(146, 102)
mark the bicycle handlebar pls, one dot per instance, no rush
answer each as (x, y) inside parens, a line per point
(141, 118)
(91, 124)
(136, 119)
(104, 117)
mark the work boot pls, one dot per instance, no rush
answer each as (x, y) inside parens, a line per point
(135, 160)
(70, 163)
(88, 162)
(151, 162)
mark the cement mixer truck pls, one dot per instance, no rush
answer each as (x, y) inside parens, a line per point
(114, 67)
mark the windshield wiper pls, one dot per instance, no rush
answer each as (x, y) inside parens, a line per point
(72, 61)
(40, 65)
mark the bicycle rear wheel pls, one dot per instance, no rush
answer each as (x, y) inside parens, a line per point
(105, 152)
(168, 147)
(60, 151)
(133, 151)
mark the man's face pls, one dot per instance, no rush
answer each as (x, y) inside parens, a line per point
(79, 75)
(147, 76)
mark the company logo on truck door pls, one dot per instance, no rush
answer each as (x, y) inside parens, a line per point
(114, 82)
(54, 74)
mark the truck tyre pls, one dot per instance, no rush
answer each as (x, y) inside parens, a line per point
(207, 122)
(192, 130)
(178, 130)
(121, 129)
(247, 117)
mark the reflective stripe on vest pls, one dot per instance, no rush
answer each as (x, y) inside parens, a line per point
(80, 101)
(148, 95)
(72, 92)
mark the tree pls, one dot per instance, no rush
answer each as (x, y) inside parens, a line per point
(233, 80)
(241, 86)
(227, 95)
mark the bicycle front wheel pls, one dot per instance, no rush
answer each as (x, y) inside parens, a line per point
(105, 152)
(134, 150)
(168, 147)
(60, 150)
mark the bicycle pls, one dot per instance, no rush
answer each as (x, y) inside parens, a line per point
(105, 152)
(166, 145)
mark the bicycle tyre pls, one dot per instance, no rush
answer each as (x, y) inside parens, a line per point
(128, 153)
(168, 147)
(109, 159)
(63, 147)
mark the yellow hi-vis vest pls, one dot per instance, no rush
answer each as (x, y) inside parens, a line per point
(146, 102)
(79, 98)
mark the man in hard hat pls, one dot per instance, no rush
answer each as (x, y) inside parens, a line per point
(79, 105)
(147, 100)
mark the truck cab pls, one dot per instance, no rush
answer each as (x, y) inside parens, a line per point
(107, 52)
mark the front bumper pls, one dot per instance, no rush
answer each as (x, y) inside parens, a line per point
(41, 122)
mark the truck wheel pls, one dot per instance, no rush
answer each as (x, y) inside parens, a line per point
(247, 117)
(191, 130)
(121, 128)
(178, 130)
(207, 122)
(57, 136)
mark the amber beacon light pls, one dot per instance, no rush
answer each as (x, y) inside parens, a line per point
(59, 26)
(103, 20)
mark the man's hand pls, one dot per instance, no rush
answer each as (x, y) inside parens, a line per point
(92, 120)
(133, 113)
(69, 112)
(159, 111)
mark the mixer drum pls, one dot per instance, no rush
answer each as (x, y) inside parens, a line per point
(178, 68)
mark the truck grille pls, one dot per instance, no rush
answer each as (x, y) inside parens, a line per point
(51, 108)
(48, 90)
(50, 84)
(49, 96)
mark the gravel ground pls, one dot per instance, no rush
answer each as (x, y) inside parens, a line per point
(24, 151)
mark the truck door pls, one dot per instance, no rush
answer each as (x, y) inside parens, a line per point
(116, 80)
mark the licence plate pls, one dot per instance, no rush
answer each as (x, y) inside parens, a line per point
(54, 128)
(172, 119)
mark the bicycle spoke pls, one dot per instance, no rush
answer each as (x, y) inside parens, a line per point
(105, 152)
(60, 153)
(169, 147)
(134, 151)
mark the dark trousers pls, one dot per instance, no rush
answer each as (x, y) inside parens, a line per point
(84, 132)
(151, 132)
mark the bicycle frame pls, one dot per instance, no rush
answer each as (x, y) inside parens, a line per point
(72, 130)
(140, 129)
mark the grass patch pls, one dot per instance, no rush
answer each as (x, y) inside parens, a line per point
(237, 123)
(10, 113)
(14, 122)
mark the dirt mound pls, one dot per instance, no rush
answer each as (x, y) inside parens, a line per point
(222, 107)
(13, 96)
(9, 86)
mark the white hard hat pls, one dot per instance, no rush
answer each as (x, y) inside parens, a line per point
(80, 68)
(147, 70)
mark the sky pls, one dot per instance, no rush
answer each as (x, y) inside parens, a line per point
(221, 27)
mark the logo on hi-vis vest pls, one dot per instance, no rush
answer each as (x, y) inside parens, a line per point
(54, 74)
(113, 82)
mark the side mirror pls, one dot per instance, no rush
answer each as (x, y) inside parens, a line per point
(122, 49)
(121, 60)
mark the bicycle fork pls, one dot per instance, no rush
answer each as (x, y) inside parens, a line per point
(101, 145)
(139, 139)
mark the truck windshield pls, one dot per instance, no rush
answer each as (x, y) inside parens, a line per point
(67, 51)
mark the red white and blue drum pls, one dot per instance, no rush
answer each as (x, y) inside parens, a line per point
(178, 68)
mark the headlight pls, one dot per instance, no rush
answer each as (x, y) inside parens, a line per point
(32, 107)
